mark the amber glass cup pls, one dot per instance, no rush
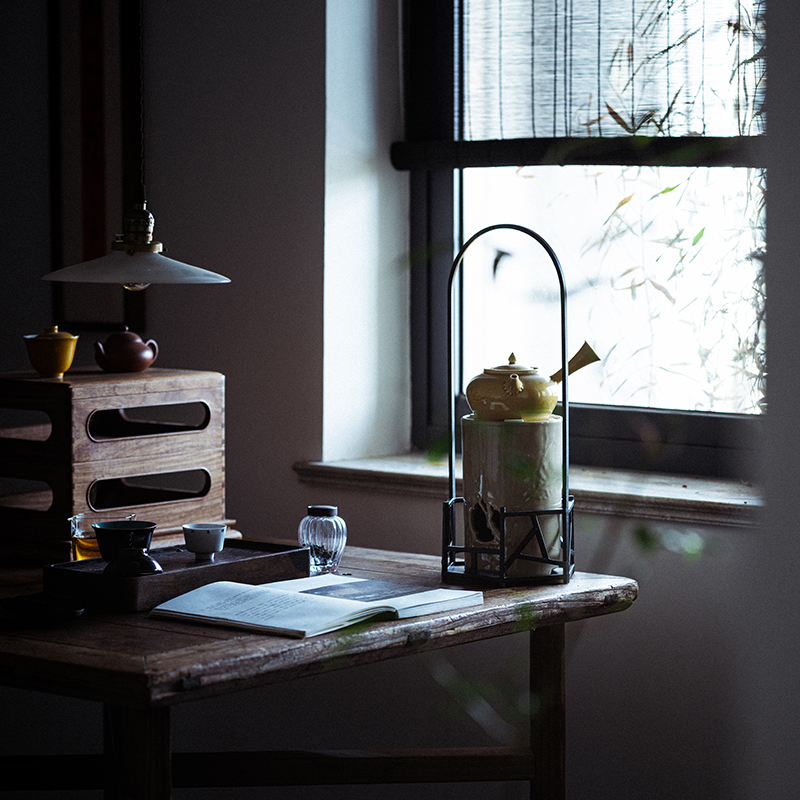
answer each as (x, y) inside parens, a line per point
(84, 538)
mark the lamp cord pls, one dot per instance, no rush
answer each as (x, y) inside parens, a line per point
(141, 98)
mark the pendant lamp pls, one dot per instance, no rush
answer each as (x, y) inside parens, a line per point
(136, 260)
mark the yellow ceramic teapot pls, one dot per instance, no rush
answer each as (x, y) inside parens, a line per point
(512, 391)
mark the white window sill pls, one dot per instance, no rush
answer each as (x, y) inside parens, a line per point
(668, 498)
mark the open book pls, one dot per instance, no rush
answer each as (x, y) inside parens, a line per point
(311, 606)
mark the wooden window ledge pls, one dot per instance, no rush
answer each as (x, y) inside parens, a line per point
(640, 495)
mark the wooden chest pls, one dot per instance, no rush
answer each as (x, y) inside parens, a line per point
(150, 443)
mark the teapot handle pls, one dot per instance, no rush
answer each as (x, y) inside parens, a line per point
(151, 343)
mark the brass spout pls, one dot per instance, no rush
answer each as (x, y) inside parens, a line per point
(583, 357)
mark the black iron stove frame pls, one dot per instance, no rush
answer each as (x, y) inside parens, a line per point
(460, 562)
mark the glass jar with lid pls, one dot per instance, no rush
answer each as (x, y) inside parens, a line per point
(324, 532)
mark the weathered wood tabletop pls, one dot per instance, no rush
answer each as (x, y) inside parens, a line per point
(140, 665)
(138, 659)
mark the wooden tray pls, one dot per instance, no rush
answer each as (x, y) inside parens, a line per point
(242, 561)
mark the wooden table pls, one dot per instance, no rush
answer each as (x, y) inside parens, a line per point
(138, 667)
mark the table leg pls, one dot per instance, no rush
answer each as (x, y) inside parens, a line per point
(548, 718)
(137, 746)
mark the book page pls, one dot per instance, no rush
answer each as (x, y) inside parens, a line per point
(265, 608)
(408, 600)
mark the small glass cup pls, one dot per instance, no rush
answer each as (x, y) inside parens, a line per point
(84, 539)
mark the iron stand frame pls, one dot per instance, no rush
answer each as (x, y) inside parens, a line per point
(454, 556)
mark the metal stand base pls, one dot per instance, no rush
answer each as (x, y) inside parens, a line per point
(460, 563)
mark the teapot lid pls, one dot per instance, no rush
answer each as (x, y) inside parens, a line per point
(123, 338)
(53, 332)
(512, 368)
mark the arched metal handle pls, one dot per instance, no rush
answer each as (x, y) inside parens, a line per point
(564, 371)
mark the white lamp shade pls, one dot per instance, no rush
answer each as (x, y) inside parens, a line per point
(137, 268)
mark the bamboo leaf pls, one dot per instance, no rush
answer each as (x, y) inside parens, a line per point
(499, 256)
(679, 43)
(757, 57)
(663, 290)
(671, 106)
(618, 119)
(624, 201)
(634, 286)
(645, 118)
(698, 237)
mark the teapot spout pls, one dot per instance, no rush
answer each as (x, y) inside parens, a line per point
(582, 358)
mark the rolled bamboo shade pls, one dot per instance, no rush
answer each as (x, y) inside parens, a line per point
(568, 68)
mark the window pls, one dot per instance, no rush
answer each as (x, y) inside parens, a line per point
(630, 130)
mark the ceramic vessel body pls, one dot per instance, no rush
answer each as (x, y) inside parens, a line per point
(511, 391)
(51, 352)
(114, 537)
(125, 351)
(204, 539)
(514, 465)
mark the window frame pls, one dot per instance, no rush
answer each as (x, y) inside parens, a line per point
(681, 442)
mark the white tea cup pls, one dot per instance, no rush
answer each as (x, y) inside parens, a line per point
(204, 539)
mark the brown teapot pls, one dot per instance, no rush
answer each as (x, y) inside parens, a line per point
(125, 351)
(512, 391)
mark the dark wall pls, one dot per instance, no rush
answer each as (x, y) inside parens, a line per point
(24, 179)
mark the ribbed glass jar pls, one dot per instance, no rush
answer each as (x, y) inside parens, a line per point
(325, 534)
